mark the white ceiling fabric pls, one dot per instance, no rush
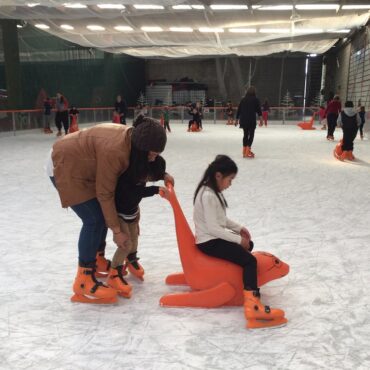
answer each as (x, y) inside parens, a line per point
(195, 44)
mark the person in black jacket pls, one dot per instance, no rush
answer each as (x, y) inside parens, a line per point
(128, 195)
(349, 120)
(248, 107)
(120, 106)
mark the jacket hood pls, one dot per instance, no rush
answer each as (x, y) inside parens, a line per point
(350, 112)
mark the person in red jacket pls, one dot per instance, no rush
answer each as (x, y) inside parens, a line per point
(332, 111)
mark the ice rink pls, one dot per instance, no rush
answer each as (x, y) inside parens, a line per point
(298, 202)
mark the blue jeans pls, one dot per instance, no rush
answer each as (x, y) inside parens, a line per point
(93, 231)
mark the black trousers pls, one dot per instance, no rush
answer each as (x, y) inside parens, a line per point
(332, 123)
(234, 253)
(361, 129)
(349, 135)
(167, 126)
(248, 135)
(62, 117)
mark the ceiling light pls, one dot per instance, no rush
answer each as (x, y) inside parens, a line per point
(151, 29)
(340, 31)
(308, 30)
(19, 26)
(351, 7)
(229, 7)
(317, 7)
(67, 27)
(181, 29)
(31, 5)
(148, 6)
(276, 7)
(198, 7)
(75, 5)
(242, 30)
(42, 26)
(274, 30)
(94, 27)
(111, 6)
(208, 29)
(123, 28)
(312, 55)
(181, 7)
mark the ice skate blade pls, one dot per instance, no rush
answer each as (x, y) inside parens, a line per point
(101, 274)
(82, 299)
(125, 294)
(139, 274)
(261, 324)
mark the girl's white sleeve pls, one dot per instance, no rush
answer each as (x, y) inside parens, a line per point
(211, 207)
(232, 225)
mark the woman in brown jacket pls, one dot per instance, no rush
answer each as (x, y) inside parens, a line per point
(85, 168)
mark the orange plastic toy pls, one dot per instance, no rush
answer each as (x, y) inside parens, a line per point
(307, 125)
(214, 282)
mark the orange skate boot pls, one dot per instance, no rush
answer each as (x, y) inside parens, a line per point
(117, 282)
(259, 316)
(89, 290)
(102, 265)
(134, 266)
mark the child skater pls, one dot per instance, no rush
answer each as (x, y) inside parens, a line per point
(265, 107)
(73, 114)
(47, 113)
(362, 114)
(230, 113)
(166, 119)
(322, 116)
(213, 237)
(127, 197)
(349, 120)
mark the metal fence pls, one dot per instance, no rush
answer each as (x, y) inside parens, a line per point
(17, 120)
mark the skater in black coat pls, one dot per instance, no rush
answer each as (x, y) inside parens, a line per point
(249, 106)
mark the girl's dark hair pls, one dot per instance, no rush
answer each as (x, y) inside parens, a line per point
(157, 169)
(223, 164)
(348, 104)
(138, 168)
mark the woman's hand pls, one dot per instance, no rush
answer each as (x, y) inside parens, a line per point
(244, 233)
(120, 239)
(168, 179)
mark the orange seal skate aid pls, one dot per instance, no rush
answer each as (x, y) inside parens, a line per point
(213, 282)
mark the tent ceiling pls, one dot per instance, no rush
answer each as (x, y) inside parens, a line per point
(309, 31)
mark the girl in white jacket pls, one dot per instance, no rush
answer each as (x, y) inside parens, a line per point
(218, 236)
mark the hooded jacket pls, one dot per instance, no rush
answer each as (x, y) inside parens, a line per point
(348, 117)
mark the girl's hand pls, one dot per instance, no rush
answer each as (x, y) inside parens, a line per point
(245, 244)
(168, 179)
(244, 233)
(164, 192)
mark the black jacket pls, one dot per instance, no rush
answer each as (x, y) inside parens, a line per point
(121, 107)
(248, 107)
(129, 195)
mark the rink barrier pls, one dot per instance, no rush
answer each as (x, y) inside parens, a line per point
(17, 120)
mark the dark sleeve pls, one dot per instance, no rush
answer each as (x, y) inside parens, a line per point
(238, 111)
(124, 107)
(148, 191)
(258, 108)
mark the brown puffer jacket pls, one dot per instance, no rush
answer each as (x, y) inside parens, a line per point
(88, 163)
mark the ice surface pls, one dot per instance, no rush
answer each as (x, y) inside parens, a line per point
(298, 202)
